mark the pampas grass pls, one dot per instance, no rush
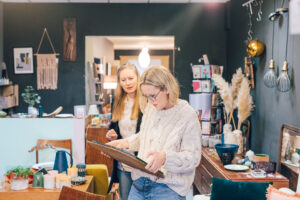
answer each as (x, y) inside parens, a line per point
(244, 102)
(225, 93)
(235, 87)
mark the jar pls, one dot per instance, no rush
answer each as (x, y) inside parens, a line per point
(295, 157)
(81, 169)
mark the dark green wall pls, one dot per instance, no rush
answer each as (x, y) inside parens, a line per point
(272, 108)
(198, 29)
(1, 34)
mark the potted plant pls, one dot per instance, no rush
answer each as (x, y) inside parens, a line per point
(30, 97)
(19, 178)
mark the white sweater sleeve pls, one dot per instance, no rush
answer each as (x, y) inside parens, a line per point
(188, 158)
(134, 142)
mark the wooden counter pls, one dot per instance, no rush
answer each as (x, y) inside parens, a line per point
(40, 193)
(94, 156)
(211, 166)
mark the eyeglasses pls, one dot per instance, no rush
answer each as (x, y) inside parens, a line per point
(152, 97)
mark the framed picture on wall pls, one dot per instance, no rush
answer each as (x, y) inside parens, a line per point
(69, 51)
(23, 61)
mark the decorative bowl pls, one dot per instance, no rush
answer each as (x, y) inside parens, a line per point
(226, 152)
(20, 184)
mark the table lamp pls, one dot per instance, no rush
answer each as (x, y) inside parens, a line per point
(93, 110)
(109, 83)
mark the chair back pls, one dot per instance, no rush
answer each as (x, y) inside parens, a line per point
(68, 193)
(41, 144)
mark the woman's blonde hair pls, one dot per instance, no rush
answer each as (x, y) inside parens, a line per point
(161, 77)
(120, 96)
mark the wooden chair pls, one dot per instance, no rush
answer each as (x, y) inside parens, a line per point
(68, 193)
(42, 144)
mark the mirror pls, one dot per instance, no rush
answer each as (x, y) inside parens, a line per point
(104, 54)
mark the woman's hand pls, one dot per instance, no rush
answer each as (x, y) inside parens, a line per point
(122, 143)
(111, 135)
(156, 160)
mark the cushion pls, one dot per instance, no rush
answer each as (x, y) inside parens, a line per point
(100, 173)
(274, 194)
(227, 189)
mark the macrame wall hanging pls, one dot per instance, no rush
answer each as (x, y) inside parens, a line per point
(47, 68)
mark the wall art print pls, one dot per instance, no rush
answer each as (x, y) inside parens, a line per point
(23, 62)
(69, 51)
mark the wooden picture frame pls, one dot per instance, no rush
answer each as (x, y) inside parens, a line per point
(69, 45)
(23, 60)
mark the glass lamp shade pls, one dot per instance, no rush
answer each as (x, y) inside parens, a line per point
(270, 78)
(284, 81)
(270, 75)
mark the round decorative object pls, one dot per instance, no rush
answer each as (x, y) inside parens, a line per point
(255, 48)
(21, 184)
(78, 180)
(237, 168)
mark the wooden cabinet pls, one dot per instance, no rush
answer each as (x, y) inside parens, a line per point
(94, 156)
(211, 166)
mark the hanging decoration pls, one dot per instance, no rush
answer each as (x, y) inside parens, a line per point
(69, 51)
(254, 47)
(47, 67)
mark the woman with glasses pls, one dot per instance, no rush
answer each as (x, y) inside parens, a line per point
(169, 139)
(126, 120)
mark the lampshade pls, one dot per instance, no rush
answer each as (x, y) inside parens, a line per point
(93, 110)
(297, 142)
(144, 58)
(110, 82)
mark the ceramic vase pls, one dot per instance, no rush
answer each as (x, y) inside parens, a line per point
(239, 140)
(32, 111)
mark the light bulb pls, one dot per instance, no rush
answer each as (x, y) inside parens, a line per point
(270, 76)
(283, 81)
(144, 58)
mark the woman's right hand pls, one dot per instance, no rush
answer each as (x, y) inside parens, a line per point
(111, 135)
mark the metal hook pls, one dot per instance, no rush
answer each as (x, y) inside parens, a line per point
(259, 12)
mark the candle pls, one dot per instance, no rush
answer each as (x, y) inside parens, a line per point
(49, 181)
(72, 172)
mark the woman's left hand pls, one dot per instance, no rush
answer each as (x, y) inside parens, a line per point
(157, 159)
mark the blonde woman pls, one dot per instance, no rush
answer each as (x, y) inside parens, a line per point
(126, 120)
(169, 139)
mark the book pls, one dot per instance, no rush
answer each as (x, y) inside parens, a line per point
(124, 156)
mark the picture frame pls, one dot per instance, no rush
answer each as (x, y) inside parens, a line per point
(23, 60)
(69, 43)
(205, 86)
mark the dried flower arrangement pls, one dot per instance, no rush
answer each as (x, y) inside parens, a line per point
(235, 95)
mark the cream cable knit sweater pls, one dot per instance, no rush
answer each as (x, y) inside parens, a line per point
(175, 131)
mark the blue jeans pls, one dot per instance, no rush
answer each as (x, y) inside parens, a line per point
(125, 183)
(144, 188)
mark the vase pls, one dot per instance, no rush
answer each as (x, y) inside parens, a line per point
(32, 111)
(227, 128)
(239, 140)
(19, 184)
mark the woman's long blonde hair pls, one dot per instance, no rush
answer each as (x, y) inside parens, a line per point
(161, 77)
(120, 96)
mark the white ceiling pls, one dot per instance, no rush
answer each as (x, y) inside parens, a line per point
(114, 1)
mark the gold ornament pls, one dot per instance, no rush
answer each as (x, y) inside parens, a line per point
(255, 48)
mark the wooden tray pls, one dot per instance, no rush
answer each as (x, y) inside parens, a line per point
(124, 157)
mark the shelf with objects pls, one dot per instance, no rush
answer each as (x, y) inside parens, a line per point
(9, 92)
(206, 102)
